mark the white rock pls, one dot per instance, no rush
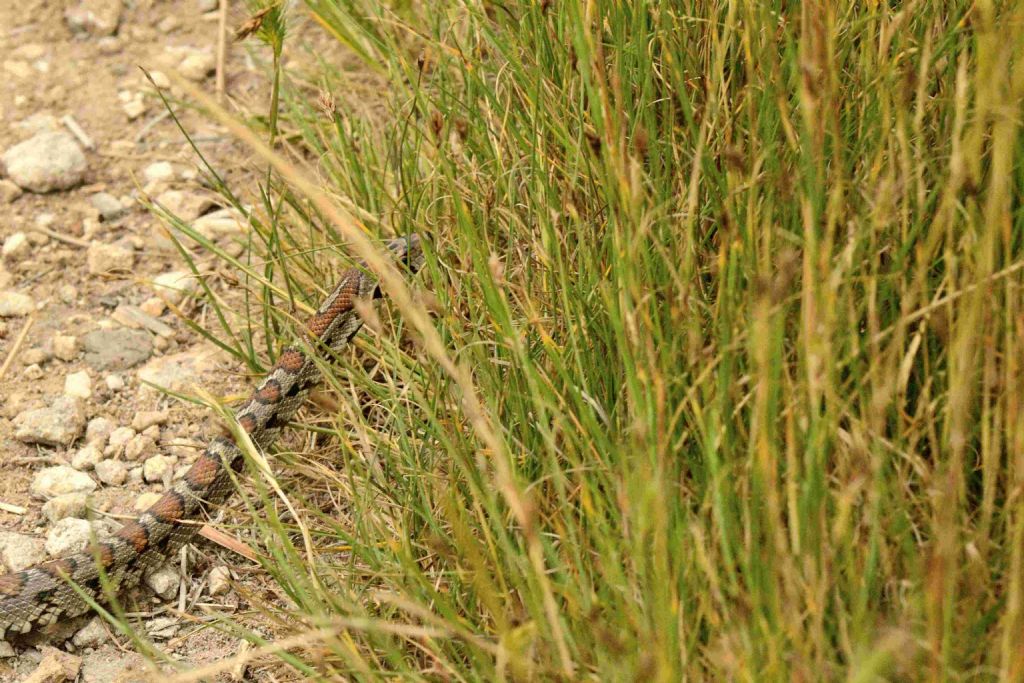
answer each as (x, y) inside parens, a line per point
(104, 258)
(163, 581)
(178, 371)
(175, 285)
(143, 502)
(156, 468)
(98, 430)
(92, 634)
(46, 162)
(56, 481)
(108, 205)
(144, 419)
(58, 424)
(187, 206)
(19, 551)
(160, 79)
(67, 293)
(197, 65)
(78, 384)
(66, 505)
(114, 382)
(134, 108)
(86, 457)
(111, 472)
(159, 171)
(9, 191)
(203, 6)
(118, 439)
(16, 246)
(65, 347)
(139, 447)
(162, 628)
(219, 580)
(71, 535)
(15, 304)
(219, 224)
(96, 17)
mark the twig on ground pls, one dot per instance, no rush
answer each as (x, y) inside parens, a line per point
(76, 130)
(16, 346)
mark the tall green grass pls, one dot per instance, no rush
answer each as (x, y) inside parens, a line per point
(738, 286)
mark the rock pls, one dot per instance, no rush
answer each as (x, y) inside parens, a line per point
(6, 650)
(65, 347)
(203, 6)
(168, 24)
(55, 667)
(187, 206)
(98, 430)
(160, 171)
(40, 122)
(219, 580)
(46, 162)
(108, 205)
(19, 551)
(145, 419)
(135, 317)
(59, 480)
(71, 535)
(156, 468)
(116, 349)
(78, 384)
(109, 45)
(95, 17)
(58, 424)
(104, 258)
(92, 634)
(66, 505)
(134, 108)
(114, 382)
(163, 581)
(179, 371)
(104, 666)
(67, 293)
(175, 285)
(154, 306)
(9, 191)
(35, 356)
(139, 447)
(111, 472)
(197, 65)
(33, 372)
(15, 304)
(87, 456)
(118, 439)
(220, 224)
(16, 246)
(143, 502)
(160, 79)
(162, 628)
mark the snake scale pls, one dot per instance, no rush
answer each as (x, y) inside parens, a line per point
(42, 595)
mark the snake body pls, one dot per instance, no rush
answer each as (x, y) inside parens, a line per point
(42, 595)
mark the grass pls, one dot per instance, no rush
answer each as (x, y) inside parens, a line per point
(729, 384)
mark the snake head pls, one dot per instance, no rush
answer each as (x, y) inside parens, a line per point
(408, 251)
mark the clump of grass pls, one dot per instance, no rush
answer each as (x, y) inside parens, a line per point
(738, 288)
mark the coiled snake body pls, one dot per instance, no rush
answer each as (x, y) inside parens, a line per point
(42, 595)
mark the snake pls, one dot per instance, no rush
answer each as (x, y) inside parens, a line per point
(46, 593)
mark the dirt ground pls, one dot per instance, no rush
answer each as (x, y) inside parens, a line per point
(49, 73)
